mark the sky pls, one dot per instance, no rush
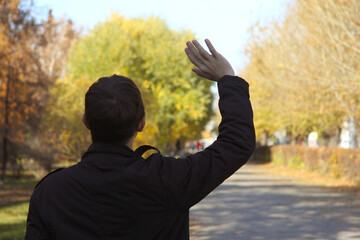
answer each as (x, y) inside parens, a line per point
(224, 22)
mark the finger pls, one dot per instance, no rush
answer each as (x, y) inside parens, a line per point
(191, 47)
(211, 47)
(192, 57)
(202, 74)
(194, 51)
(199, 72)
(201, 50)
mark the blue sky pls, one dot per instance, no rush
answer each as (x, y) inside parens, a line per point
(224, 22)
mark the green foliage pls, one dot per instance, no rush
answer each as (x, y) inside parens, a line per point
(62, 120)
(177, 103)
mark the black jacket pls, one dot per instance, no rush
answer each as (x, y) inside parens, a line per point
(112, 193)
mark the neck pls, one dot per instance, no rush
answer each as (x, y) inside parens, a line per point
(130, 143)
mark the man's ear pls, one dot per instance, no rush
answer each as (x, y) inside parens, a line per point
(85, 121)
(141, 125)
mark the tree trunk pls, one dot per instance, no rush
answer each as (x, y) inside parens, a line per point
(352, 132)
(6, 128)
(264, 138)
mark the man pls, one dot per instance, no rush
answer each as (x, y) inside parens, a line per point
(113, 193)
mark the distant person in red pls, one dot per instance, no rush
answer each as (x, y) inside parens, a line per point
(198, 144)
(114, 193)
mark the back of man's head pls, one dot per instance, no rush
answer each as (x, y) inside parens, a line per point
(113, 109)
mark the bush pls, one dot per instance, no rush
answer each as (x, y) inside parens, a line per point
(334, 162)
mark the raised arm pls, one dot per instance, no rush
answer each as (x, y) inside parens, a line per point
(189, 180)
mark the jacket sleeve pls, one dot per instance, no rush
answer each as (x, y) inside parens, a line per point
(189, 180)
(35, 228)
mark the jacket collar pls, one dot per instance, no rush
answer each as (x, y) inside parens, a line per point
(102, 147)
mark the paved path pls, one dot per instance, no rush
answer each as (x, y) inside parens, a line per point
(252, 205)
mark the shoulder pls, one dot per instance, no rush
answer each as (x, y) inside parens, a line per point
(53, 173)
(139, 152)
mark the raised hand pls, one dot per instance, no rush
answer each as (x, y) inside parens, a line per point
(210, 66)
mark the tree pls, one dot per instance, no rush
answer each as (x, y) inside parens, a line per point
(177, 103)
(27, 69)
(56, 37)
(305, 69)
(21, 78)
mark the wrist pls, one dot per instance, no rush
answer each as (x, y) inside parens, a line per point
(223, 75)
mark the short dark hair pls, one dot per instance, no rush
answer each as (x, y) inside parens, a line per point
(113, 109)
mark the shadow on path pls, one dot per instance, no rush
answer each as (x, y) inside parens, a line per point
(252, 205)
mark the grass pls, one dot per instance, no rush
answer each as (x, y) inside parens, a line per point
(13, 221)
(14, 205)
